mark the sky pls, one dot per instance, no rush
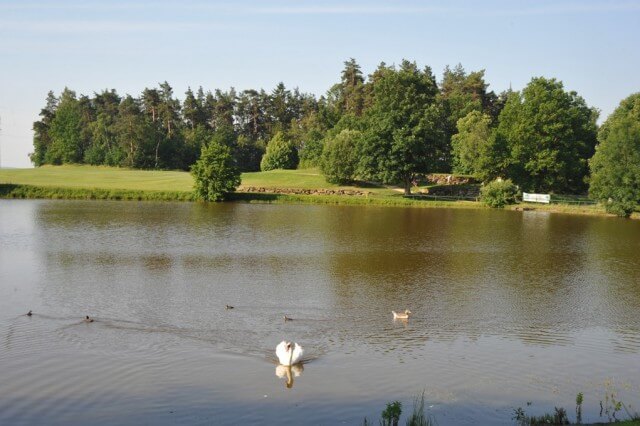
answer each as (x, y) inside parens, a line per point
(592, 46)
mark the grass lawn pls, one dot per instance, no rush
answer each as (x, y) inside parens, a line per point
(71, 176)
(101, 177)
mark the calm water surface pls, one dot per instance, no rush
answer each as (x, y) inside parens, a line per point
(509, 308)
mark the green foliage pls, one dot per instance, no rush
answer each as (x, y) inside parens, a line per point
(470, 146)
(66, 131)
(280, 154)
(403, 136)
(499, 193)
(307, 135)
(215, 173)
(194, 139)
(352, 92)
(41, 131)
(615, 167)
(579, 400)
(417, 417)
(30, 191)
(340, 157)
(544, 139)
(559, 417)
(248, 153)
(391, 414)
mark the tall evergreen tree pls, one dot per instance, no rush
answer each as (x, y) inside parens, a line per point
(352, 88)
(133, 132)
(41, 130)
(66, 131)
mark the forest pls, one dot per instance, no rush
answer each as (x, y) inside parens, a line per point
(391, 126)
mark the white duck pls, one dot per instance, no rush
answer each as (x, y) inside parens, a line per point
(401, 315)
(289, 353)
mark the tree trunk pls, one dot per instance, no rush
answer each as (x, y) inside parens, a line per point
(157, 147)
(407, 185)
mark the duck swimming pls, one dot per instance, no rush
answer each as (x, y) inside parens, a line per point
(289, 353)
(228, 307)
(286, 318)
(401, 315)
(29, 313)
(87, 319)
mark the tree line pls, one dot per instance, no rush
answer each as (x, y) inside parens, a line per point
(391, 126)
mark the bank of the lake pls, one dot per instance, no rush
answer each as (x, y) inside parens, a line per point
(277, 186)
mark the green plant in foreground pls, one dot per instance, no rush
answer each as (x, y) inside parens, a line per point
(579, 399)
(417, 417)
(391, 414)
(559, 417)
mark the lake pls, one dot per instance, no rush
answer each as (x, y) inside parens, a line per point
(509, 308)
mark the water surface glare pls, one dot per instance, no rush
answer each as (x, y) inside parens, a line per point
(508, 308)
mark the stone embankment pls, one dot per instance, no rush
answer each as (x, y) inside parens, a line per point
(446, 179)
(297, 191)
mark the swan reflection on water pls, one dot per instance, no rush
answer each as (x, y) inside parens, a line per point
(289, 372)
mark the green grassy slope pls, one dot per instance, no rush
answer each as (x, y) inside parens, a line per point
(72, 176)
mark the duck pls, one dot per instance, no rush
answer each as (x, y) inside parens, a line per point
(87, 319)
(228, 307)
(289, 353)
(29, 313)
(286, 318)
(401, 315)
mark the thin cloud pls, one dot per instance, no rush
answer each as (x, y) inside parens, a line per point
(91, 26)
(240, 8)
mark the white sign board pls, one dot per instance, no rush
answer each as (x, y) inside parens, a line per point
(536, 198)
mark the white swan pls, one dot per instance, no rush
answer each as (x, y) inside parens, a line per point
(289, 353)
(401, 315)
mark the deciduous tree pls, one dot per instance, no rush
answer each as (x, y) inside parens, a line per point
(615, 167)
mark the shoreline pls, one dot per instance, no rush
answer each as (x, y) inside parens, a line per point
(22, 191)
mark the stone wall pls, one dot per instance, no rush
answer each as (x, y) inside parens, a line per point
(297, 191)
(445, 179)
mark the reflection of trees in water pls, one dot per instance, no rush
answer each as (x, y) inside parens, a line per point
(472, 273)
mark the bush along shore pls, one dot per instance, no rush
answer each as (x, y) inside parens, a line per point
(31, 191)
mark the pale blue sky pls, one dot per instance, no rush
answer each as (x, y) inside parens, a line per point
(591, 45)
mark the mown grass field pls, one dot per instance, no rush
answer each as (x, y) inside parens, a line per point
(100, 177)
(99, 182)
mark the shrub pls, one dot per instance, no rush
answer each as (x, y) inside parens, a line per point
(340, 157)
(281, 154)
(499, 193)
(215, 173)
